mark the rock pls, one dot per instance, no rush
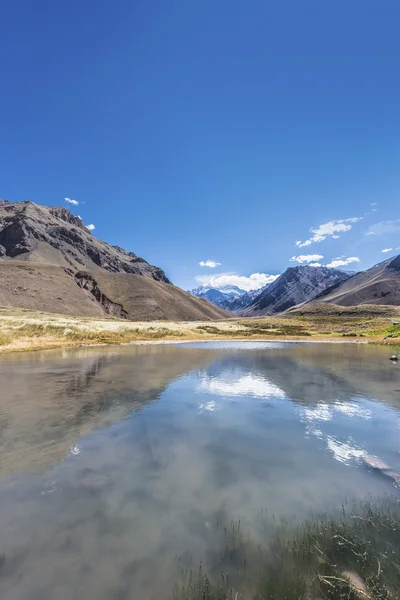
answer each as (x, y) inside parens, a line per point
(94, 482)
(357, 583)
(379, 465)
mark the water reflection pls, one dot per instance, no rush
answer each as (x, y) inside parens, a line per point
(244, 385)
(129, 455)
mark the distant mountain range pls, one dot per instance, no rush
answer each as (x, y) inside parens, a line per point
(230, 298)
(295, 285)
(49, 261)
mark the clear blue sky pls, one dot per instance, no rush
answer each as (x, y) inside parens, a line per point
(217, 130)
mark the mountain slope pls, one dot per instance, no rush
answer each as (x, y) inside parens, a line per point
(295, 285)
(378, 285)
(50, 261)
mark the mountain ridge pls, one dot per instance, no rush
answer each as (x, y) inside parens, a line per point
(50, 261)
(294, 286)
(378, 285)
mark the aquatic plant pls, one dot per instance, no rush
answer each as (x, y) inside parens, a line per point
(351, 555)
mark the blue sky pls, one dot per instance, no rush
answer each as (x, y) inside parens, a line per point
(216, 131)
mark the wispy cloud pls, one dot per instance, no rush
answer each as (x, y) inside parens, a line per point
(70, 201)
(252, 282)
(211, 264)
(374, 204)
(330, 229)
(306, 258)
(384, 227)
(342, 262)
(90, 227)
(387, 249)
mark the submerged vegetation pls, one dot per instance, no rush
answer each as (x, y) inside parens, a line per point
(351, 555)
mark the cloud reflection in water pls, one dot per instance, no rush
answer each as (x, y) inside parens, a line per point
(342, 451)
(245, 385)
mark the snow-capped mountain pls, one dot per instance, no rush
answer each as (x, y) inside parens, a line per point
(241, 302)
(229, 297)
(221, 296)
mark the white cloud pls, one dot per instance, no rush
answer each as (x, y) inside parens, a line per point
(74, 202)
(306, 258)
(387, 249)
(253, 282)
(211, 264)
(341, 262)
(329, 229)
(315, 264)
(374, 204)
(90, 227)
(384, 227)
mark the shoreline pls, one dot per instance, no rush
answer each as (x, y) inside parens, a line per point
(29, 331)
(60, 346)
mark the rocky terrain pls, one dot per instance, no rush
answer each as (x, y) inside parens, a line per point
(378, 285)
(294, 286)
(50, 261)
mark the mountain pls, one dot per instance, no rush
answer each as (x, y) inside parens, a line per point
(378, 285)
(221, 296)
(236, 305)
(295, 285)
(50, 261)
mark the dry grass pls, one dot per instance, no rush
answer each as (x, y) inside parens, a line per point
(30, 330)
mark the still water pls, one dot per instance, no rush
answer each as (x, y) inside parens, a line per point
(116, 461)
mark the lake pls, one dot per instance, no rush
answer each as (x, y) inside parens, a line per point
(117, 464)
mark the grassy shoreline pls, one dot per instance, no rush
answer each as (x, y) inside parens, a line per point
(25, 330)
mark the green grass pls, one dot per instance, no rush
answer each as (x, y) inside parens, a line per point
(393, 331)
(351, 555)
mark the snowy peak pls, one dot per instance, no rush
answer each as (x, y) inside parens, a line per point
(229, 297)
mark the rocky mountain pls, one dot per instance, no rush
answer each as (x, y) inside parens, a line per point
(237, 305)
(221, 296)
(295, 285)
(50, 261)
(378, 285)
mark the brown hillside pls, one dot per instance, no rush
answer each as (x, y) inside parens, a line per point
(378, 285)
(51, 262)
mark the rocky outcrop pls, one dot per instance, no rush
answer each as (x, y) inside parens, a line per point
(87, 282)
(23, 225)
